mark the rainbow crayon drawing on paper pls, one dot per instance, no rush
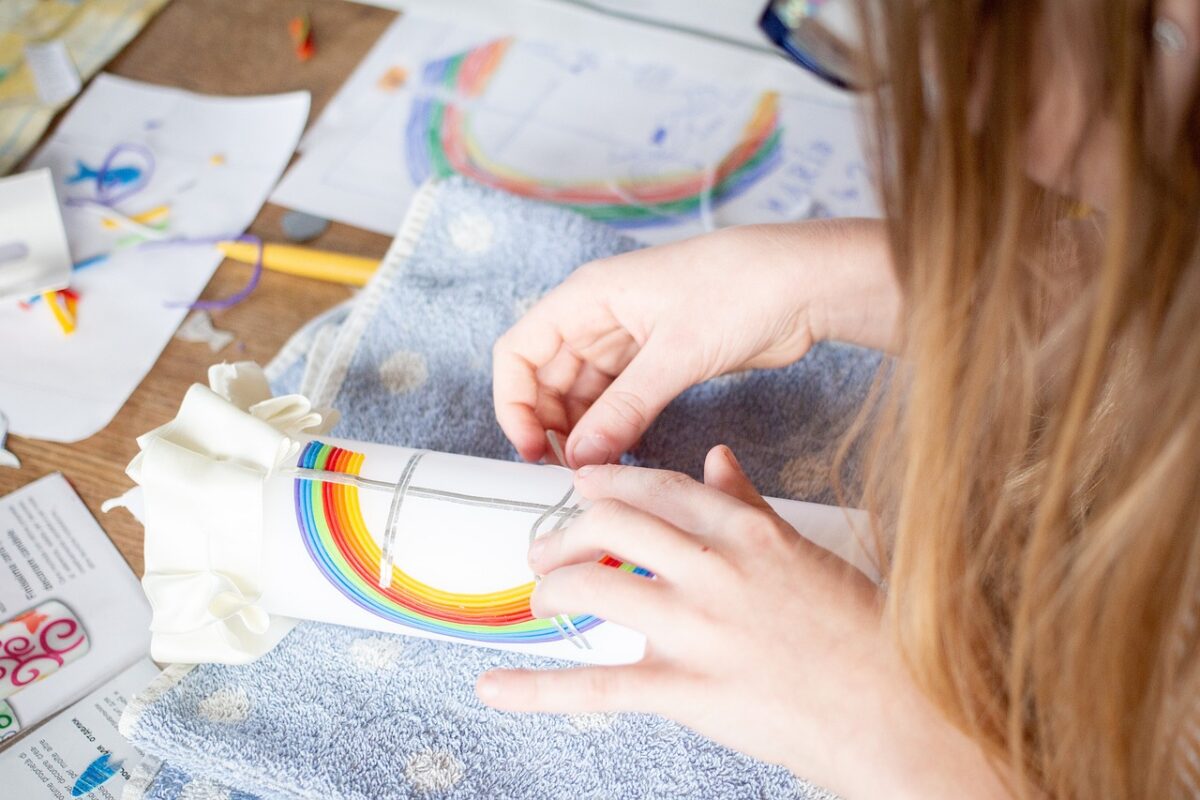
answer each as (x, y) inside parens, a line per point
(649, 146)
(343, 547)
(440, 143)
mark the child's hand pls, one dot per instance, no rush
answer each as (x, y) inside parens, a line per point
(601, 355)
(756, 637)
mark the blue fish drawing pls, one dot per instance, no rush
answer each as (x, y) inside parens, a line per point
(118, 176)
(95, 775)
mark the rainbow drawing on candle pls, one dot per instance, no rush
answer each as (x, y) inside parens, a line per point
(340, 543)
(440, 143)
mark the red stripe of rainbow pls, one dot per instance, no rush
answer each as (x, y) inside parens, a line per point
(336, 536)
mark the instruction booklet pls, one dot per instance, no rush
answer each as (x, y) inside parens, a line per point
(79, 753)
(72, 614)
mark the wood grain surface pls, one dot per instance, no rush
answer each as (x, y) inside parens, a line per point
(233, 47)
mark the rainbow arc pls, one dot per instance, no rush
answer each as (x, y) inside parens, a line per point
(440, 143)
(338, 539)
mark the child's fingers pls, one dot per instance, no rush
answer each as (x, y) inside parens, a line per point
(723, 472)
(634, 601)
(613, 528)
(673, 496)
(515, 391)
(639, 392)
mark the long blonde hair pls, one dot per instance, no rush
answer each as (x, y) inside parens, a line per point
(1038, 474)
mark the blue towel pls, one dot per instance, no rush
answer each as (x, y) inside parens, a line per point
(336, 712)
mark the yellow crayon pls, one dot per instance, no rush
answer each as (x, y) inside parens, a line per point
(306, 262)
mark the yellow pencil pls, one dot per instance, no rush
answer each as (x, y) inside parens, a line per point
(306, 262)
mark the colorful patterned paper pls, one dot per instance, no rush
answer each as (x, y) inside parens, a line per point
(38, 643)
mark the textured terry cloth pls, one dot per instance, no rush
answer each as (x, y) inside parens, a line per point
(335, 712)
(412, 363)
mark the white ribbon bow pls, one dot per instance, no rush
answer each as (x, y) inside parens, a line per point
(211, 612)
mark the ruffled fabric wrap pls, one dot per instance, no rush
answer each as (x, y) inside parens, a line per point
(202, 478)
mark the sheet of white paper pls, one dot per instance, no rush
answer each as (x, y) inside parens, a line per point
(34, 256)
(598, 132)
(471, 539)
(216, 158)
(54, 554)
(631, 28)
(80, 753)
(733, 20)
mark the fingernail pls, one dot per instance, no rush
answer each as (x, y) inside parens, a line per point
(584, 471)
(732, 458)
(591, 450)
(487, 687)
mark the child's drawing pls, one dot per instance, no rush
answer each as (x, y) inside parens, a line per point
(639, 145)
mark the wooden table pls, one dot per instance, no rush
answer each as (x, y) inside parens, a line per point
(233, 47)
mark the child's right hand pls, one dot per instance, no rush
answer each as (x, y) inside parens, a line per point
(600, 356)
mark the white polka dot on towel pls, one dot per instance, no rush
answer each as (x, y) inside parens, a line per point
(471, 233)
(433, 770)
(589, 723)
(404, 371)
(371, 655)
(806, 789)
(806, 475)
(227, 706)
(203, 789)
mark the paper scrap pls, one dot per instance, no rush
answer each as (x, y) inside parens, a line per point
(198, 327)
(131, 501)
(67, 589)
(7, 458)
(68, 388)
(34, 256)
(668, 154)
(54, 73)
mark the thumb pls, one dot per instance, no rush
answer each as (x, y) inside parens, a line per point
(723, 472)
(619, 416)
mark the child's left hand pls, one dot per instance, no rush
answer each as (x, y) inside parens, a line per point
(756, 637)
